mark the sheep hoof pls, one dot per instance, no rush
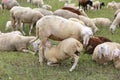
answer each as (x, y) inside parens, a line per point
(71, 70)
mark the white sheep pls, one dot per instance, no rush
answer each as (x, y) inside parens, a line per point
(25, 15)
(66, 1)
(15, 42)
(44, 11)
(103, 52)
(102, 21)
(89, 23)
(67, 48)
(65, 14)
(96, 5)
(39, 3)
(77, 20)
(8, 4)
(58, 28)
(115, 23)
(111, 4)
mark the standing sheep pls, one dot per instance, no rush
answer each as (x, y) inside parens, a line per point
(8, 4)
(115, 23)
(58, 28)
(67, 48)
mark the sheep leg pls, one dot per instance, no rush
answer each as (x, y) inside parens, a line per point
(76, 58)
(31, 27)
(21, 29)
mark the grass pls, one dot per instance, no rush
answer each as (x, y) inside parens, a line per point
(25, 66)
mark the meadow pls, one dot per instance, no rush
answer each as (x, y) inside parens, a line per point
(25, 66)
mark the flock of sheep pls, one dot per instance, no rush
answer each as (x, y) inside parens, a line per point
(70, 25)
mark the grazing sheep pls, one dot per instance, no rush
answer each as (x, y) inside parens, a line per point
(44, 11)
(25, 15)
(67, 48)
(98, 5)
(94, 41)
(75, 10)
(103, 52)
(66, 1)
(58, 28)
(15, 42)
(116, 12)
(116, 58)
(65, 14)
(102, 21)
(39, 3)
(77, 20)
(88, 22)
(111, 4)
(8, 4)
(84, 3)
(115, 23)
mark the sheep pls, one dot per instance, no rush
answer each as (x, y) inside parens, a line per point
(15, 42)
(89, 23)
(65, 14)
(44, 11)
(75, 10)
(62, 29)
(67, 48)
(8, 4)
(66, 1)
(98, 5)
(12, 32)
(94, 41)
(116, 58)
(25, 15)
(103, 52)
(39, 3)
(77, 20)
(111, 4)
(115, 23)
(84, 3)
(102, 21)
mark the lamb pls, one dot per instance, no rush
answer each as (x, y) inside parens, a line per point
(67, 48)
(62, 29)
(115, 23)
(116, 58)
(103, 52)
(25, 15)
(102, 21)
(15, 42)
(8, 4)
(88, 22)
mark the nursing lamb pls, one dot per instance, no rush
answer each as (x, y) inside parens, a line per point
(65, 49)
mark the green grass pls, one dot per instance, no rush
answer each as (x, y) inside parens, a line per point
(25, 66)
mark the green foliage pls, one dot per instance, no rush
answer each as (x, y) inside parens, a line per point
(23, 66)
